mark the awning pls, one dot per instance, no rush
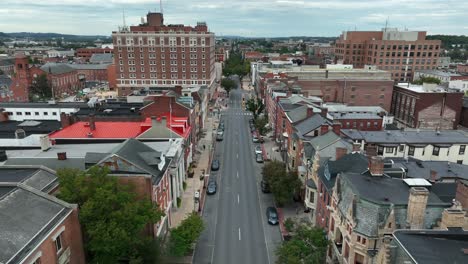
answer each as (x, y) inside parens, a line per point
(388, 145)
(285, 134)
(417, 145)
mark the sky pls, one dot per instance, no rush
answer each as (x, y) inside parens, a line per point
(249, 18)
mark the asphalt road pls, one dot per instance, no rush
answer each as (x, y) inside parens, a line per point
(236, 230)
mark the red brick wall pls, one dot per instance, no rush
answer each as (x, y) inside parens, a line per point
(361, 124)
(112, 77)
(99, 75)
(462, 193)
(71, 238)
(322, 213)
(462, 68)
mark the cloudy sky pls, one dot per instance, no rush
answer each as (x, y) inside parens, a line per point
(251, 18)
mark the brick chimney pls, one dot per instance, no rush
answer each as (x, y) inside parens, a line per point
(356, 147)
(324, 112)
(461, 194)
(416, 210)
(376, 165)
(65, 120)
(452, 217)
(433, 176)
(336, 128)
(340, 152)
(371, 150)
(155, 19)
(310, 111)
(3, 115)
(178, 90)
(92, 122)
(289, 93)
(323, 129)
(61, 155)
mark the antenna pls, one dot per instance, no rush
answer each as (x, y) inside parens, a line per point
(386, 24)
(160, 6)
(123, 18)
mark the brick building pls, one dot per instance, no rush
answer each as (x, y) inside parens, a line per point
(87, 53)
(462, 68)
(154, 55)
(399, 52)
(426, 106)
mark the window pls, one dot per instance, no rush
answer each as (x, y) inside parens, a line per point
(389, 150)
(411, 151)
(462, 150)
(311, 197)
(58, 243)
(435, 151)
(19, 113)
(459, 161)
(27, 113)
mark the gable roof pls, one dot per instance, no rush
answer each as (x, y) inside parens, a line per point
(354, 162)
(39, 178)
(309, 124)
(408, 137)
(297, 114)
(101, 58)
(57, 68)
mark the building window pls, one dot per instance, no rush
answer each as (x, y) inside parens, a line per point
(462, 150)
(19, 113)
(27, 113)
(58, 243)
(402, 148)
(459, 161)
(311, 197)
(435, 151)
(46, 113)
(389, 150)
(411, 151)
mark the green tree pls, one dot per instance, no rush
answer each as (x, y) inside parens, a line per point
(261, 125)
(282, 184)
(113, 218)
(184, 236)
(228, 84)
(308, 245)
(255, 106)
(41, 87)
(236, 65)
(429, 79)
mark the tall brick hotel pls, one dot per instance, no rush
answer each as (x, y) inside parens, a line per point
(153, 54)
(399, 52)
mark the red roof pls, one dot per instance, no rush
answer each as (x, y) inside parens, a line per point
(103, 130)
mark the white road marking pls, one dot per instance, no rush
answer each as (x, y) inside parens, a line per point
(239, 234)
(237, 155)
(238, 199)
(237, 175)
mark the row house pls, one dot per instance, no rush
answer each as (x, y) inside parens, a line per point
(87, 53)
(444, 145)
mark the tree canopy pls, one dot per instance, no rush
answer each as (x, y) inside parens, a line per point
(428, 79)
(283, 185)
(255, 106)
(228, 84)
(41, 87)
(261, 125)
(184, 236)
(112, 217)
(236, 65)
(308, 245)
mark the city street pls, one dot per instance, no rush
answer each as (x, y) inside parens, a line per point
(236, 230)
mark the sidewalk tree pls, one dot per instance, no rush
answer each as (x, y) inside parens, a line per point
(255, 106)
(183, 237)
(282, 184)
(236, 65)
(113, 218)
(428, 79)
(228, 84)
(308, 245)
(261, 125)
(41, 87)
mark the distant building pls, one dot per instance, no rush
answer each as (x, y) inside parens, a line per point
(462, 68)
(157, 55)
(87, 53)
(426, 106)
(60, 53)
(399, 52)
(443, 76)
(443, 62)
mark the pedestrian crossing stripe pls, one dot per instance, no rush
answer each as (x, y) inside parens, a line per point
(239, 114)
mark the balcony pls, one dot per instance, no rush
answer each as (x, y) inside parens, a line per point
(337, 249)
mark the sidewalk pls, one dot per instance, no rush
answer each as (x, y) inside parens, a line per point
(271, 149)
(194, 184)
(295, 211)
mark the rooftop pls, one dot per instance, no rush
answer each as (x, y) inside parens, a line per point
(43, 105)
(104, 130)
(8, 128)
(434, 246)
(39, 178)
(57, 68)
(408, 137)
(439, 73)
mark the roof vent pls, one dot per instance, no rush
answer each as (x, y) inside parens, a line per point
(107, 111)
(90, 134)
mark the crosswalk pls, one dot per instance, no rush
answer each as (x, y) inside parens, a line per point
(238, 113)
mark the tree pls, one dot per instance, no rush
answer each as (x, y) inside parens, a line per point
(429, 79)
(282, 184)
(228, 84)
(261, 125)
(236, 65)
(307, 246)
(183, 237)
(41, 87)
(112, 216)
(255, 106)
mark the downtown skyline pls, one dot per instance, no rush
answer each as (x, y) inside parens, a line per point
(257, 18)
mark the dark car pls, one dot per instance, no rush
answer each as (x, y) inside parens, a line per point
(221, 126)
(272, 216)
(211, 188)
(259, 158)
(215, 165)
(219, 137)
(265, 187)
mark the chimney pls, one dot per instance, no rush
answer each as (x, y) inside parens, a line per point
(64, 120)
(310, 111)
(356, 147)
(61, 155)
(376, 165)
(178, 90)
(155, 19)
(371, 150)
(45, 143)
(433, 176)
(340, 152)
(289, 93)
(324, 112)
(92, 124)
(3, 115)
(323, 129)
(336, 128)
(452, 218)
(416, 210)
(461, 194)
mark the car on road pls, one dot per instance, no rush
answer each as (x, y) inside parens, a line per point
(272, 216)
(219, 137)
(259, 158)
(211, 188)
(215, 165)
(221, 126)
(220, 131)
(252, 129)
(265, 187)
(258, 149)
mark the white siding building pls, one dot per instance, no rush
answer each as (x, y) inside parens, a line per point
(37, 111)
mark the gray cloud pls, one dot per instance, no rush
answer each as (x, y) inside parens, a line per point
(240, 17)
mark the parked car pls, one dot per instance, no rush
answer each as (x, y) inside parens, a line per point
(220, 131)
(215, 165)
(258, 149)
(219, 137)
(259, 158)
(264, 186)
(255, 139)
(211, 188)
(252, 129)
(272, 215)
(221, 126)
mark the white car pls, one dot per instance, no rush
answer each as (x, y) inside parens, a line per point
(258, 149)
